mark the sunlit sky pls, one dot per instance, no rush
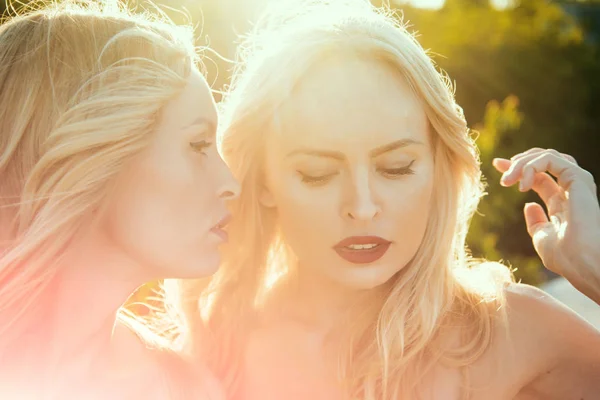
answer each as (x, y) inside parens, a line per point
(439, 3)
(430, 4)
(427, 3)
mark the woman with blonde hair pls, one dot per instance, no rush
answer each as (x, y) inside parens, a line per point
(108, 179)
(346, 275)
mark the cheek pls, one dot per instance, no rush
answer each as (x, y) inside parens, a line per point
(157, 214)
(415, 196)
(305, 213)
(410, 214)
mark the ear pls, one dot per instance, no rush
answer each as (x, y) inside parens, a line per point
(266, 198)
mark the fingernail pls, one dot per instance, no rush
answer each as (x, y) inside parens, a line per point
(521, 186)
(498, 161)
(503, 180)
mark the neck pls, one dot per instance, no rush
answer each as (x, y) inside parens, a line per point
(320, 302)
(95, 280)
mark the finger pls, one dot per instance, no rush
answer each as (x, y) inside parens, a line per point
(537, 150)
(542, 233)
(501, 164)
(527, 179)
(544, 186)
(548, 160)
(514, 172)
(535, 218)
(564, 170)
(533, 150)
(569, 158)
(541, 183)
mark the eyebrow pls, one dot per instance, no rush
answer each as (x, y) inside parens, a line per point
(201, 121)
(340, 156)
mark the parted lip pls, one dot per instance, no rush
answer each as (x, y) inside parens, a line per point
(223, 222)
(358, 240)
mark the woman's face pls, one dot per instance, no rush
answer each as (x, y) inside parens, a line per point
(170, 202)
(351, 173)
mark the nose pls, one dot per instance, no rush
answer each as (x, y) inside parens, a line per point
(229, 187)
(361, 204)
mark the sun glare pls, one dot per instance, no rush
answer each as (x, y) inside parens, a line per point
(437, 4)
(253, 5)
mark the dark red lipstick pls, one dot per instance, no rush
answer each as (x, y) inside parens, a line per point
(362, 249)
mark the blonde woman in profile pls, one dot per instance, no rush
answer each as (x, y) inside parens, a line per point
(109, 179)
(347, 275)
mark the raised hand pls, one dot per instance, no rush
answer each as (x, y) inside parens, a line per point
(567, 236)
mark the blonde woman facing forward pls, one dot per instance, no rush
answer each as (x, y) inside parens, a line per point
(109, 179)
(347, 275)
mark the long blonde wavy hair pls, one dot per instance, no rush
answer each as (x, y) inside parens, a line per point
(81, 88)
(387, 352)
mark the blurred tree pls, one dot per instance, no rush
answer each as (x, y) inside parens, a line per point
(496, 214)
(537, 53)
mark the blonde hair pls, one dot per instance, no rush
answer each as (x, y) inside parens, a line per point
(388, 351)
(82, 85)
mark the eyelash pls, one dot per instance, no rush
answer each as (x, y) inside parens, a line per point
(392, 173)
(397, 172)
(316, 180)
(200, 146)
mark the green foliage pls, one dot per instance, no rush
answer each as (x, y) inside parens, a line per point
(525, 76)
(497, 212)
(535, 59)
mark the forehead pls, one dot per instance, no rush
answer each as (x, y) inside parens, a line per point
(345, 103)
(194, 102)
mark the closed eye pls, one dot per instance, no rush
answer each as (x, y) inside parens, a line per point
(200, 146)
(316, 180)
(397, 172)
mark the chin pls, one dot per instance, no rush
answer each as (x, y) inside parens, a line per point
(366, 277)
(202, 266)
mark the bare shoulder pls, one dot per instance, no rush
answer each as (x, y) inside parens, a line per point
(154, 373)
(566, 347)
(130, 353)
(135, 369)
(541, 350)
(534, 314)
